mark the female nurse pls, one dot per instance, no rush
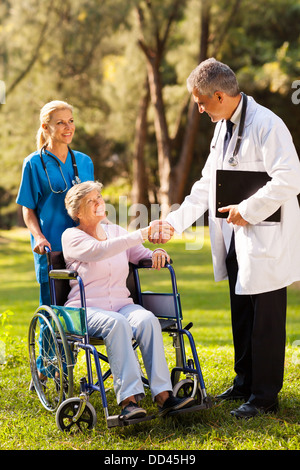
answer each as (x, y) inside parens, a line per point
(47, 175)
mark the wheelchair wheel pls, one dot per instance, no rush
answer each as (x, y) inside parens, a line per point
(50, 359)
(68, 410)
(186, 388)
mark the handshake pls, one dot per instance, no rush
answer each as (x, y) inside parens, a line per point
(160, 231)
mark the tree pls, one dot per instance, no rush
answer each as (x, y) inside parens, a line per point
(140, 181)
(154, 53)
(174, 171)
(123, 65)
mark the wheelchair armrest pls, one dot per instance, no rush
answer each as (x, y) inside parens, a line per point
(62, 274)
(147, 263)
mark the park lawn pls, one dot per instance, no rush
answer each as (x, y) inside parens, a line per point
(25, 424)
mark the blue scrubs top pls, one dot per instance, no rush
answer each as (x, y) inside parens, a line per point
(35, 193)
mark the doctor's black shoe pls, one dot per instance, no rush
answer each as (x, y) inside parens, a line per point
(174, 404)
(232, 394)
(132, 410)
(248, 410)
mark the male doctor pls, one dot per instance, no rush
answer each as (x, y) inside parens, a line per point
(258, 257)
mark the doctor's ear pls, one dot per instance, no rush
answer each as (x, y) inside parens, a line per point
(219, 96)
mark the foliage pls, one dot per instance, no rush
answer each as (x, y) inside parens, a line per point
(11, 348)
(87, 53)
(4, 334)
(4, 325)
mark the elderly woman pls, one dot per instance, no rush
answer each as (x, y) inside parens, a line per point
(100, 254)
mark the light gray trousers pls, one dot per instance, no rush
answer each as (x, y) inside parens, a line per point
(117, 330)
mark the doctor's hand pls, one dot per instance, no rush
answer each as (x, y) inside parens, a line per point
(160, 231)
(234, 216)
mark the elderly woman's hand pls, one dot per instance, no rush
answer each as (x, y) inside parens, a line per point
(159, 258)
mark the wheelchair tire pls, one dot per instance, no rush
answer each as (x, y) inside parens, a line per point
(50, 359)
(185, 388)
(66, 412)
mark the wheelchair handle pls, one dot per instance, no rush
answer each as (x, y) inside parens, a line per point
(147, 263)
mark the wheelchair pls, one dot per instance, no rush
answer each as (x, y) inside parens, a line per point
(57, 334)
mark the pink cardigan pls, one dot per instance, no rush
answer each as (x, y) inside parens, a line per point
(102, 265)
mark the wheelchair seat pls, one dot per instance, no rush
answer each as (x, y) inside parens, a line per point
(56, 261)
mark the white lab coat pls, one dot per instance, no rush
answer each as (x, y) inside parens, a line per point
(268, 253)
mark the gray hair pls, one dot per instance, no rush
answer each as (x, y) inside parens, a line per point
(75, 195)
(211, 76)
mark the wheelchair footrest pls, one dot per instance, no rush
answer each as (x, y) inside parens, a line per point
(115, 420)
(190, 409)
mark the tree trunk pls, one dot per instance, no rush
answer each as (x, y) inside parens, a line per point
(181, 171)
(173, 183)
(139, 192)
(153, 61)
(161, 132)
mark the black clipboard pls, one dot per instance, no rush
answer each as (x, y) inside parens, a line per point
(233, 186)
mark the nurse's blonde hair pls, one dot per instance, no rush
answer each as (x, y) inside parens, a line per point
(45, 116)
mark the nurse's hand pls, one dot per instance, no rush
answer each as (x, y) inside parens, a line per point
(39, 248)
(31, 222)
(159, 258)
(234, 216)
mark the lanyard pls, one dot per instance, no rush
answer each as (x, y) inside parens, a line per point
(76, 179)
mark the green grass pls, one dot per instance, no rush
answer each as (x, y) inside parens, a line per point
(25, 424)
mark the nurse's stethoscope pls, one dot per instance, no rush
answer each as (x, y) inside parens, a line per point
(233, 160)
(76, 179)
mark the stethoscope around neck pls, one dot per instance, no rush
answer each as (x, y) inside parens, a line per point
(76, 179)
(233, 160)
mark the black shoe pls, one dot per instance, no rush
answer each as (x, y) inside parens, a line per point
(132, 410)
(248, 410)
(232, 394)
(174, 404)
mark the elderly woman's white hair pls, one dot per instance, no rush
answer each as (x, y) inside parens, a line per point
(75, 195)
